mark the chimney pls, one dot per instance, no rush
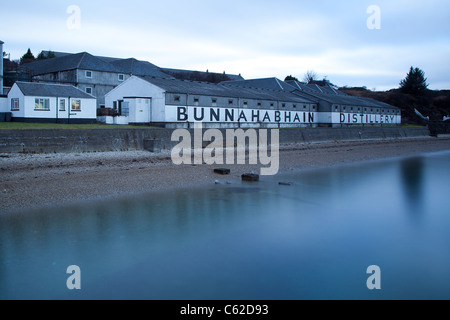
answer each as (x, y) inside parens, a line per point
(1, 67)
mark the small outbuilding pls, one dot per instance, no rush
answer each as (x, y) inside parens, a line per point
(51, 103)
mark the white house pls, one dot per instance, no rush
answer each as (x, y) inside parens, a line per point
(43, 102)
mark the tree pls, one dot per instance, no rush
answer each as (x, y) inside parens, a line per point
(310, 76)
(51, 55)
(415, 82)
(41, 56)
(46, 55)
(290, 78)
(27, 57)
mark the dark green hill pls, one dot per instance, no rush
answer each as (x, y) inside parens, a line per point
(433, 104)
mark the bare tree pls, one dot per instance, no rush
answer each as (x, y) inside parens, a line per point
(310, 76)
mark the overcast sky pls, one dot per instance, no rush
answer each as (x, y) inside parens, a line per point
(254, 38)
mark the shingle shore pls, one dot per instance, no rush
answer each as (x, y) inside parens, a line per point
(46, 180)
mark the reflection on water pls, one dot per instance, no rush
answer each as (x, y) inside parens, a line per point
(312, 240)
(412, 173)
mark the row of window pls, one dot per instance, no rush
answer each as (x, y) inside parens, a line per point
(372, 110)
(120, 77)
(41, 104)
(231, 103)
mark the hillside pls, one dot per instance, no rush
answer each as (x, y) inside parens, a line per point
(433, 104)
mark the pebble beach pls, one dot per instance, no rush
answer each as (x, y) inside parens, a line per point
(36, 181)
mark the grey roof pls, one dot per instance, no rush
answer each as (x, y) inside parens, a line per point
(221, 90)
(64, 61)
(201, 76)
(266, 83)
(312, 92)
(63, 54)
(331, 95)
(138, 68)
(35, 89)
(81, 60)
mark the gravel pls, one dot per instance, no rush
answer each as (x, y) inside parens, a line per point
(35, 181)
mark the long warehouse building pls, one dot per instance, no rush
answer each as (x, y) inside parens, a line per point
(271, 103)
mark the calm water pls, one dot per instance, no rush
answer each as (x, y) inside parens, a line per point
(312, 240)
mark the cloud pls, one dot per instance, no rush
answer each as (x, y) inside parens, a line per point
(255, 38)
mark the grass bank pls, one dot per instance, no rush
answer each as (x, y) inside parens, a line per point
(25, 126)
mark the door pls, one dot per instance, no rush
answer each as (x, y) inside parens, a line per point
(145, 108)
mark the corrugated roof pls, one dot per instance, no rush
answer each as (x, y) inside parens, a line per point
(265, 83)
(221, 90)
(333, 96)
(35, 89)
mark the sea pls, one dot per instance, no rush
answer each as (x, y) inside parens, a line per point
(377, 230)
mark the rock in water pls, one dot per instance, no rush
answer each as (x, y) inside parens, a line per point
(250, 177)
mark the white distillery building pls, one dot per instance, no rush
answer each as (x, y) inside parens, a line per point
(51, 103)
(267, 102)
(176, 103)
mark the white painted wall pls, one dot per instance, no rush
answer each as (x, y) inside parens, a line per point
(234, 115)
(366, 119)
(135, 90)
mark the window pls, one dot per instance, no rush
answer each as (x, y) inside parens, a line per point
(76, 105)
(89, 74)
(283, 105)
(42, 104)
(62, 105)
(125, 109)
(245, 103)
(121, 77)
(14, 104)
(176, 98)
(259, 104)
(89, 90)
(214, 102)
(196, 101)
(230, 102)
(295, 106)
